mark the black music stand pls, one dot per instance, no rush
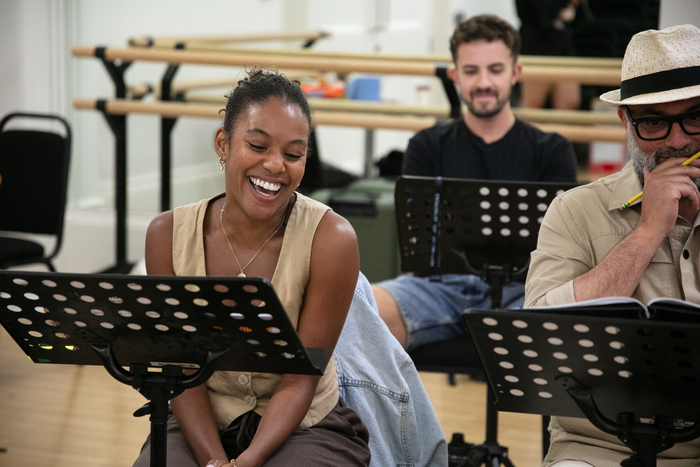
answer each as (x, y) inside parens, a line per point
(147, 322)
(567, 362)
(481, 227)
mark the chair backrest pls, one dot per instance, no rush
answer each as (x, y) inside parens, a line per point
(33, 176)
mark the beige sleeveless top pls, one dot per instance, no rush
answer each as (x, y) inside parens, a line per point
(234, 393)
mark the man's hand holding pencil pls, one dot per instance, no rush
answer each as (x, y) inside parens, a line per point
(669, 191)
(639, 195)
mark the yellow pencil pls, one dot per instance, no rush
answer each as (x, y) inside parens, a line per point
(628, 203)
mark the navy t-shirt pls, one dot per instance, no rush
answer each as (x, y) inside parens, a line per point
(524, 154)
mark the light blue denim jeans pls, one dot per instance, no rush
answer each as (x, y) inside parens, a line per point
(432, 307)
(378, 380)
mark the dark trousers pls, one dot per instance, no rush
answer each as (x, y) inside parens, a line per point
(339, 439)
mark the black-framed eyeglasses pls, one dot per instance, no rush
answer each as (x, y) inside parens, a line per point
(657, 128)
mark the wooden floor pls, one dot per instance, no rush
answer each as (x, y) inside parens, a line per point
(73, 416)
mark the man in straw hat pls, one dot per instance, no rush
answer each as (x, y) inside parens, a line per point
(589, 246)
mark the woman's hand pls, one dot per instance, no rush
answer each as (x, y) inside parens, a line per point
(219, 463)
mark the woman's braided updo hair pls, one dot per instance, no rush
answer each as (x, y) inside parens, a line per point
(258, 87)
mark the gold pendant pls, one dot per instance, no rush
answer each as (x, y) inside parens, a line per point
(241, 274)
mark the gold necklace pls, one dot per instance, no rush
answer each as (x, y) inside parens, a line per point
(242, 268)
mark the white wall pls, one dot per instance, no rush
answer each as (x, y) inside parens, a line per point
(11, 54)
(672, 12)
(34, 58)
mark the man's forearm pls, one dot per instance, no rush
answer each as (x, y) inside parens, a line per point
(620, 271)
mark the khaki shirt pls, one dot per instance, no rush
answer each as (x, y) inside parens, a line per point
(579, 229)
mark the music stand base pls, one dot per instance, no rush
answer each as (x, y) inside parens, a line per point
(487, 454)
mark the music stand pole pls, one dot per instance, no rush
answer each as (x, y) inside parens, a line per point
(490, 452)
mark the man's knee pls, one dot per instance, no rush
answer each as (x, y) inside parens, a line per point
(390, 314)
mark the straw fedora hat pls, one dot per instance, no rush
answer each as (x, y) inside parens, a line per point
(659, 66)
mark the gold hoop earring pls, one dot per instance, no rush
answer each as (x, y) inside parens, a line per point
(221, 161)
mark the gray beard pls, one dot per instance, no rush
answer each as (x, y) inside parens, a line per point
(640, 159)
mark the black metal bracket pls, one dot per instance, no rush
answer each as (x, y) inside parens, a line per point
(309, 43)
(115, 71)
(496, 277)
(117, 124)
(158, 388)
(312, 41)
(450, 90)
(645, 439)
(166, 128)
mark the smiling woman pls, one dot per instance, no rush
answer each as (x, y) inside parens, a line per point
(260, 226)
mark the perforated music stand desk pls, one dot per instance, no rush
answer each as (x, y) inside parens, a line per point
(483, 227)
(203, 323)
(572, 362)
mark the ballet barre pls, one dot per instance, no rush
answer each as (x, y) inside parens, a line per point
(277, 60)
(171, 42)
(570, 117)
(202, 44)
(339, 105)
(591, 76)
(184, 89)
(348, 63)
(274, 61)
(138, 91)
(179, 109)
(585, 62)
(605, 70)
(338, 64)
(575, 133)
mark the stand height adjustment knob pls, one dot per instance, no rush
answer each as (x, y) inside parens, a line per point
(146, 409)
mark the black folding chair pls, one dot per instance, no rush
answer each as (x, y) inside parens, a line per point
(33, 186)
